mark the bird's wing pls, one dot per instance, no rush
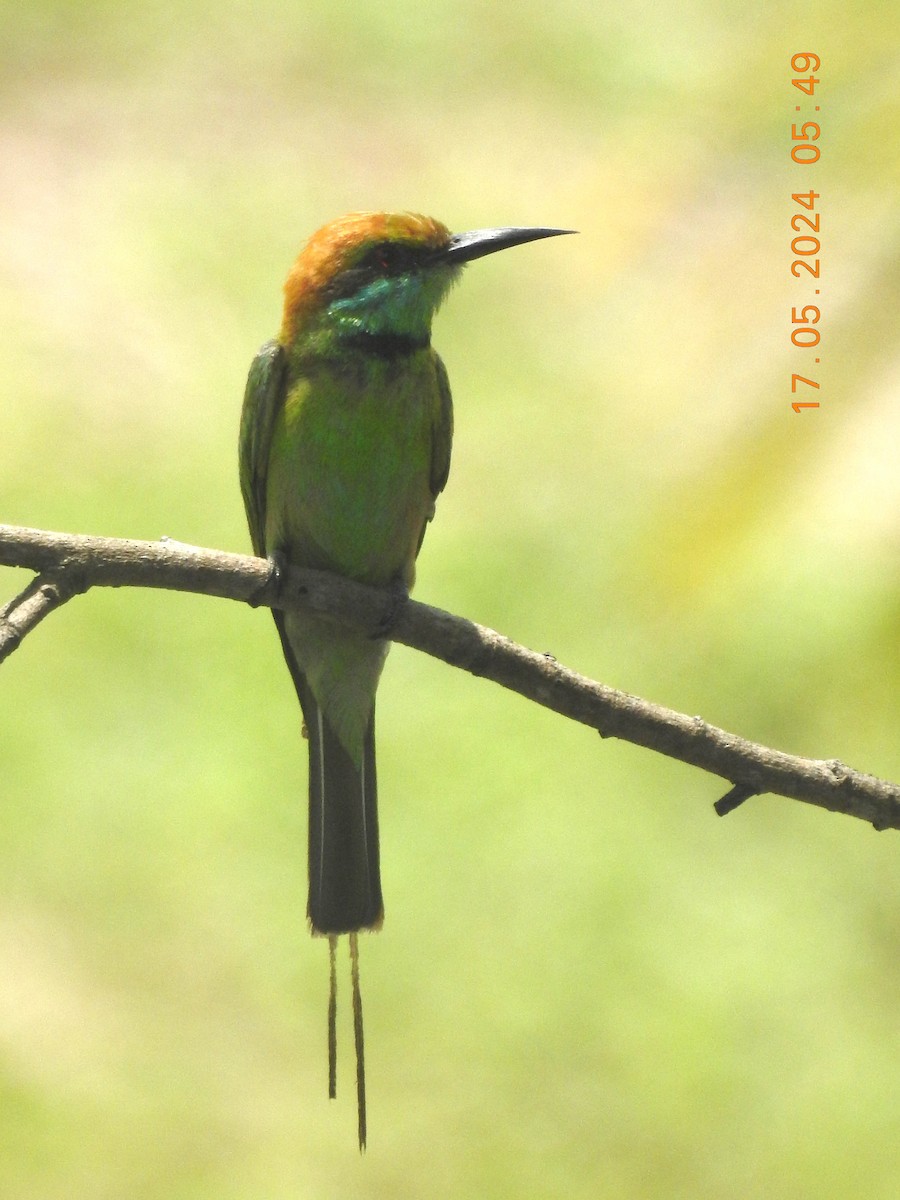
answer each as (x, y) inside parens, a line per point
(442, 438)
(262, 401)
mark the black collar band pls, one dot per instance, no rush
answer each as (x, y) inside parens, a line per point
(385, 345)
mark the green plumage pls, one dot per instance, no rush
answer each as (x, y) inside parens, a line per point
(341, 461)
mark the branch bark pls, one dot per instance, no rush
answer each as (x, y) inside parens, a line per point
(69, 564)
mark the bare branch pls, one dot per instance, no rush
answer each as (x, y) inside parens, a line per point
(70, 564)
(17, 618)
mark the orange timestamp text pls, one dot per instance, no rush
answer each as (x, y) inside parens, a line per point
(806, 244)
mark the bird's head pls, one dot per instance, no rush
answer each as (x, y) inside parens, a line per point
(383, 274)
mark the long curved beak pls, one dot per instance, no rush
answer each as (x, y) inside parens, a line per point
(464, 247)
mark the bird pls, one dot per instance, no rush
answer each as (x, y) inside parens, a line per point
(345, 437)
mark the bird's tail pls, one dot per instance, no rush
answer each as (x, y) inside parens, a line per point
(344, 871)
(344, 880)
(344, 874)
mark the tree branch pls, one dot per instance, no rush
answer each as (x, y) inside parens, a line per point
(42, 596)
(69, 564)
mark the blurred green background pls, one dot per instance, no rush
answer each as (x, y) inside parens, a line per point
(587, 984)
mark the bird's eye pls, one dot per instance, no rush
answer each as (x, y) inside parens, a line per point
(390, 258)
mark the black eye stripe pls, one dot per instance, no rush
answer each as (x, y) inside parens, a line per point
(381, 260)
(390, 258)
(348, 282)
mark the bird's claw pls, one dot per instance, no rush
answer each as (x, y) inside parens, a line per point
(398, 595)
(274, 580)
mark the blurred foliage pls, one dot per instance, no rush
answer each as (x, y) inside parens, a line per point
(587, 986)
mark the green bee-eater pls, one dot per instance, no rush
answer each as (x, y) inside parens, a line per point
(344, 447)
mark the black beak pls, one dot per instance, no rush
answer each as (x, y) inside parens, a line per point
(463, 247)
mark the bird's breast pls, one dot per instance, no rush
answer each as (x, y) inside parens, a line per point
(348, 481)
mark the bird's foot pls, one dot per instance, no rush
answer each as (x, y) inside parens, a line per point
(398, 595)
(274, 580)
